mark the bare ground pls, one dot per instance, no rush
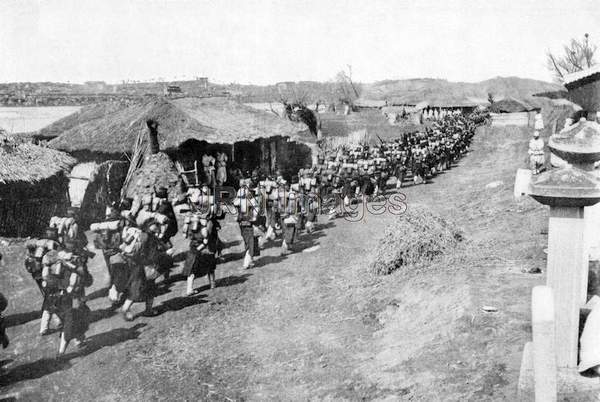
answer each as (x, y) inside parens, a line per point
(315, 325)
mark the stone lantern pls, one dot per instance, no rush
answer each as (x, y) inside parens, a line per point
(567, 191)
(571, 192)
(579, 145)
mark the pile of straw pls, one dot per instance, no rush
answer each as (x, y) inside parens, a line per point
(157, 170)
(140, 149)
(413, 238)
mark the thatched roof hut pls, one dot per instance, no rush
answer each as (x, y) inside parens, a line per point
(213, 120)
(186, 129)
(363, 103)
(514, 112)
(30, 164)
(511, 105)
(33, 187)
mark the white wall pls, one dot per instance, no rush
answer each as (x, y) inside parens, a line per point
(79, 179)
(510, 119)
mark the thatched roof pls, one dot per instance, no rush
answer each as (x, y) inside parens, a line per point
(85, 114)
(372, 103)
(214, 120)
(30, 163)
(233, 121)
(511, 105)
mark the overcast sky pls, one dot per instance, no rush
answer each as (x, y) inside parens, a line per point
(248, 41)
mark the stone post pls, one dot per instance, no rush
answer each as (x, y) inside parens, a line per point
(544, 353)
(566, 274)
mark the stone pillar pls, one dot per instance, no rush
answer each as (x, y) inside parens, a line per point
(567, 275)
(592, 216)
(544, 352)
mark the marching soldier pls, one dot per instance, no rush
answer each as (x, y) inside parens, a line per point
(34, 265)
(108, 239)
(200, 260)
(59, 282)
(247, 219)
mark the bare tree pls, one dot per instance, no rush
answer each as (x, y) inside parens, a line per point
(295, 108)
(347, 91)
(578, 55)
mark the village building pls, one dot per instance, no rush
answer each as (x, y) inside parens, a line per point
(33, 187)
(186, 129)
(362, 103)
(513, 112)
(583, 88)
(172, 90)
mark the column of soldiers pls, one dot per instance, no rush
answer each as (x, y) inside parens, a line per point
(135, 236)
(365, 170)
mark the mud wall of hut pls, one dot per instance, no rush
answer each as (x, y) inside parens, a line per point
(290, 156)
(103, 189)
(26, 208)
(268, 155)
(273, 154)
(510, 119)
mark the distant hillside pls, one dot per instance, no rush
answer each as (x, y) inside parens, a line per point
(409, 91)
(415, 90)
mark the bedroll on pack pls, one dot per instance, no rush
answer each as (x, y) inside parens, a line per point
(132, 242)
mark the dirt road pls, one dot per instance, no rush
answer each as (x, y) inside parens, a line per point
(315, 325)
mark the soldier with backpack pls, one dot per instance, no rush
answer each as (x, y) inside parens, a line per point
(131, 250)
(108, 239)
(36, 250)
(60, 282)
(200, 260)
(248, 211)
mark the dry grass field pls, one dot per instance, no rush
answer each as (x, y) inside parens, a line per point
(317, 324)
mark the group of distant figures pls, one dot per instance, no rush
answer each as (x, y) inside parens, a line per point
(135, 238)
(439, 113)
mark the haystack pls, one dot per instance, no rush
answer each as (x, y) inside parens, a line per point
(33, 187)
(157, 170)
(415, 237)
